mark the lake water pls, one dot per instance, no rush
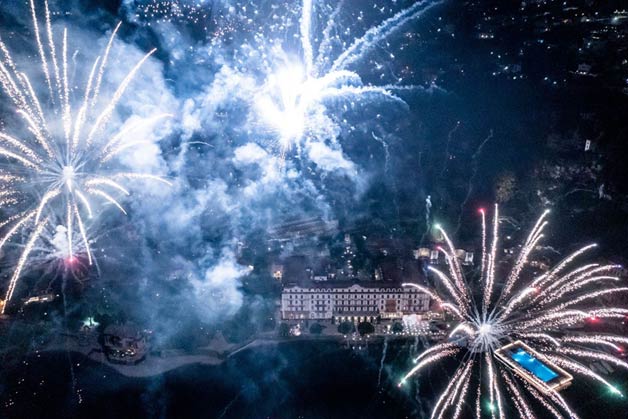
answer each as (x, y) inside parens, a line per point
(292, 380)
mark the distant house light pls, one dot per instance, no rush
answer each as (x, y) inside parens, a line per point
(422, 252)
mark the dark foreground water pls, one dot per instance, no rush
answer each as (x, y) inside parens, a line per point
(292, 380)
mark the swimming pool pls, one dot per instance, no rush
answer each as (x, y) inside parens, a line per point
(533, 365)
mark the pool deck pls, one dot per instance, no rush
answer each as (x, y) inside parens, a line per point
(561, 380)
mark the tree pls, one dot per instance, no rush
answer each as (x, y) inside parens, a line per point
(316, 329)
(346, 327)
(365, 328)
(505, 187)
(284, 330)
(397, 327)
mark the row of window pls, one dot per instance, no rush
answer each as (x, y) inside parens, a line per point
(358, 291)
(353, 309)
(322, 307)
(358, 302)
(349, 297)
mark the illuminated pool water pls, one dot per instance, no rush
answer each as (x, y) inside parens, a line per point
(533, 365)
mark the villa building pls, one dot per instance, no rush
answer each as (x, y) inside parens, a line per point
(340, 301)
(125, 344)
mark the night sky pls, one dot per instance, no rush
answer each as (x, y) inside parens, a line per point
(444, 108)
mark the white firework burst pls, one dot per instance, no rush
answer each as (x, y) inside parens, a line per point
(62, 167)
(294, 99)
(522, 307)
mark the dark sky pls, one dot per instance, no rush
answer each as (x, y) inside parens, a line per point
(496, 100)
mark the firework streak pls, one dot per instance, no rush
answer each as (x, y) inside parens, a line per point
(60, 170)
(521, 307)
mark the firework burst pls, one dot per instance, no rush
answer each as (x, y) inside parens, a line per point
(295, 97)
(541, 311)
(63, 167)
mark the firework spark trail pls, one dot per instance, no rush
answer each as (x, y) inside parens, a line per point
(22, 220)
(415, 344)
(452, 309)
(555, 317)
(542, 281)
(524, 409)
(558, 399)
(436, 348)
(83, 110)
(40, 48)
(106, 114)
(381, 362)
(580, 270)
(599, 356)
(107, 197)
(541, 336)
(490, 273)
(306, 36)
(463, 391)
(595, 339)
(491, 383)
(115, 146)
(478, 396)
(67, 113)
(9, 220)
(65, 165)
(324, 49)
(483, 259)
(463, 327)
(428, 213)
(572, 283)
(608, 313)
(67, 349)
(474, 171)
(448, 284)
(143, 176)
(346, 92)
(23, 259)
(103, 64)
(536, 309)
(574, 287)
(589, 296)
(447, 391)
(447, 144)
(460, 389)
(79, 220)
(535, 394)
(454, 265)
(498, 396)
(581, 369)
(428, 360)
(386, 151)
(517, 301)
(522, 259)
(370, 39)
(70, 217)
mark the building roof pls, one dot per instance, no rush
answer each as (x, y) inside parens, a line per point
(345, 284)
(306, 227)
(401, 270)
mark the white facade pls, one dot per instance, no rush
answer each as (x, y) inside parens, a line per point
(353, 302)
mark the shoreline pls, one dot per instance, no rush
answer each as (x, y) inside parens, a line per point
(159, 361)
(153, 365)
